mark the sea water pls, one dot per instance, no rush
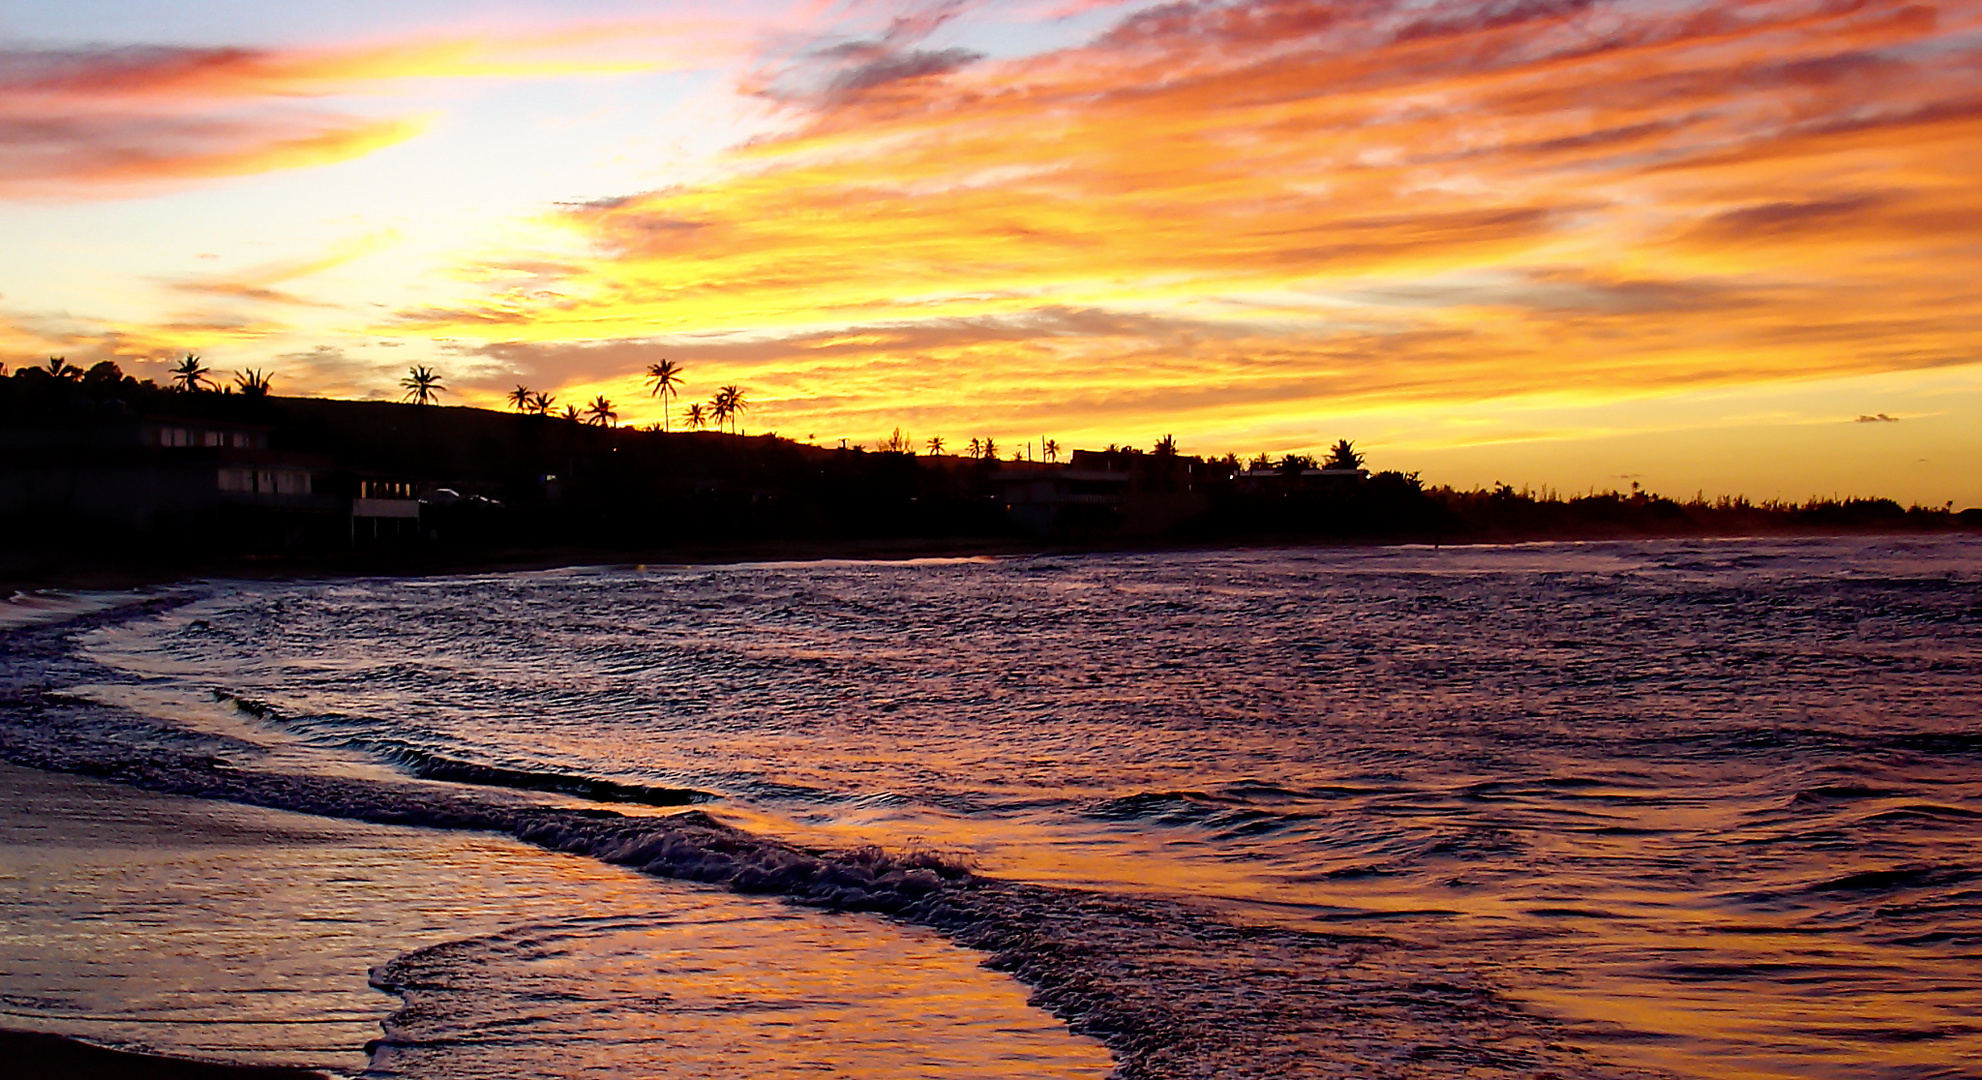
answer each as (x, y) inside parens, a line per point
(1676, 808)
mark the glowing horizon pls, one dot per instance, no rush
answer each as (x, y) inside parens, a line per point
(1561, 243)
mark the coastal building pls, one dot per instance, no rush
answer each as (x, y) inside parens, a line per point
(1102, 492)
(1273, 479)
(162, 474)
(382, 508)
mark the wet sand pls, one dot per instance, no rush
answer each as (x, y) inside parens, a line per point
(243, 936)
(35, 1056)
(203, 930)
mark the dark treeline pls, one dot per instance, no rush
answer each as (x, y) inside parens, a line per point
(502, 481)
(1397, 506)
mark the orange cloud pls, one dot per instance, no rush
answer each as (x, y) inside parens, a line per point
(114, 154)
(1374, 201)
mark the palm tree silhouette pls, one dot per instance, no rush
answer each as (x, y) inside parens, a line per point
(540, 403)
(253, 382)
(696, 417)
(1051, 449)
(1166, 446)
(976, 447)
(601, 411)
(664, 377)
(572, 414)
(423, 386)
(990, 450)
(1343, 456)
(189, 374)
(521, 398)
(60, 368)
(935, 444)
(729, 405)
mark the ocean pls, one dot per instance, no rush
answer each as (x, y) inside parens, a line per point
(1627, 809)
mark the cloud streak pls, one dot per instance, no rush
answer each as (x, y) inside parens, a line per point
(1393, 201)
(115, 121)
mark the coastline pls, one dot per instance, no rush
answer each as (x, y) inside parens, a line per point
(1076, 964)
(1122, 970)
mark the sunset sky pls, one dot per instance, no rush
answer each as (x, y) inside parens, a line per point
(1731, 247)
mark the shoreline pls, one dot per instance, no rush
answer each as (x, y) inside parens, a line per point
(84, 570)
(1122, 970)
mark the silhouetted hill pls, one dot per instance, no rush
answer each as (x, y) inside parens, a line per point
(237, 473)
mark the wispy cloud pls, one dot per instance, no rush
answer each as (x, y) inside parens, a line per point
(112, 121)
(1394, 200)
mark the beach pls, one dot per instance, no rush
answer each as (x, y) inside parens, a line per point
(1676, 809)
(229, 942)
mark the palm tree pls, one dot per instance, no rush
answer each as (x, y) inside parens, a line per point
(601, 411)
(663, 377)
(189, 374)
(540, 403)
(1166, 446)
(1343, 456)
(572, 414)
(729, 405)
(935, 444)
(521, 398)
(976, 447)
(696, 417)
(1051, 449)
(990, 450)
(60, 368)
(252, 382)
(422, 385)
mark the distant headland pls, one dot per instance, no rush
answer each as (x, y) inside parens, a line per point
(106, 476)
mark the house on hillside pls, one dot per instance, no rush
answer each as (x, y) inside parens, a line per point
(382, 507)
(165, 475)
(1275, 479)
(1102, 492)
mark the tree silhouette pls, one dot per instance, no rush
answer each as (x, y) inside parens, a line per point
(696, 417)
(1343, 456)
(990, 450)
(601, 411)
(572, 414)
(935, 444)
(1166, 446)
(190, 374)
(729, 405)
(60, 368)
(1051, 449)
(540, 403)
(423, 386)
(664, 377)
(976, 447)
(252, 383)
(521, 399)
(899, 443)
